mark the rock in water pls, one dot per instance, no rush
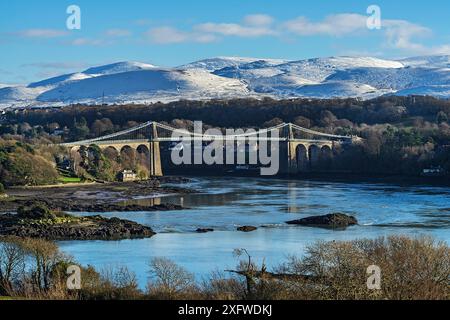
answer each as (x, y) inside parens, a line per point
(247, 228)
(204, 230)
(334, 221)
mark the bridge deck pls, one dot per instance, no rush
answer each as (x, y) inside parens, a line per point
(261, 135)
(146, 141)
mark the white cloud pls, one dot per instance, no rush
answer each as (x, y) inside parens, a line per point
(169, 35)
(117, 33)
(165, 35)
(333, 25)
(256, 25)
(234, 29)
(258, 20)
(400, 35)
(253, 26)
(42, 33)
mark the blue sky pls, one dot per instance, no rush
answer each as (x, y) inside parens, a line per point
(35, 42)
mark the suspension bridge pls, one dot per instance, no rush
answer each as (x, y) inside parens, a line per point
(299, 147)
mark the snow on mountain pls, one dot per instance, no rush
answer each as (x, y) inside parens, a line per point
(232, 77)
(442, 91)
(59, 80)
(331, 89)
(218, 63)
(396, 79)
(428, 61)
(144, 85)
(320, 68)
(4, 85)
(18, 94)
(119, 67)
(310, 78)
(315, 70)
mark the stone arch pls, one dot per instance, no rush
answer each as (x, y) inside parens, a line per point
(111, 153)
(326, 153)
(93, 152)
(326, 156)
(143, 156)
(128, 157)
(143, 149)
(314, 155)
(301, 154)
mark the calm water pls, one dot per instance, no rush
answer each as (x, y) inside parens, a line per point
(230, 202)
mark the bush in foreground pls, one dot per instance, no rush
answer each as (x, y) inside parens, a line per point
(410, 269)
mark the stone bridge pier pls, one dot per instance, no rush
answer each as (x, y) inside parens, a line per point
(149, 149)
(145, 151)
(302, 155)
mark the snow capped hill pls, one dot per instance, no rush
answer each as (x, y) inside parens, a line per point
(118, 67)
(4, 85)
(233, 77)
(218, 63)
(311, 78)
(59, 80)
(396, 79)
(428, 61)
(144, 85)
(435, 91)
(147, 84)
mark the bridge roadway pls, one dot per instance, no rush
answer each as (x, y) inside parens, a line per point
(194, 139)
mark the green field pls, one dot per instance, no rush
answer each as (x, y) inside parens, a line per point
(69, 180)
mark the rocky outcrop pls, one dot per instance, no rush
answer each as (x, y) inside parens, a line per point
(247, 228)
(73, 228)
(334, 221)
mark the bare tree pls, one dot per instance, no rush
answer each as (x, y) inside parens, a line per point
(12, 265)
(169, 279)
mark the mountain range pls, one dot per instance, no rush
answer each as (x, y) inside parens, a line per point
(235, 77)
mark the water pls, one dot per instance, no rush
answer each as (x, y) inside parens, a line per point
(226, 203)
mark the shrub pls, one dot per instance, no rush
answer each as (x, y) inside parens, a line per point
(170, 281)
(36, 212)
(410, 269)
(21, 165)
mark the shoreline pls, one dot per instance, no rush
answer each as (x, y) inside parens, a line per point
(97, 197)
(125, 196)
(349, 177)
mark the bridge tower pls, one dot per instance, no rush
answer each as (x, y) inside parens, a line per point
(288, 153)
(155, 153)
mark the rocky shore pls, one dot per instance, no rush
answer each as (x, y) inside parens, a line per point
(117, 197)
(71, 205)
(40, 222)
(40, 212)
